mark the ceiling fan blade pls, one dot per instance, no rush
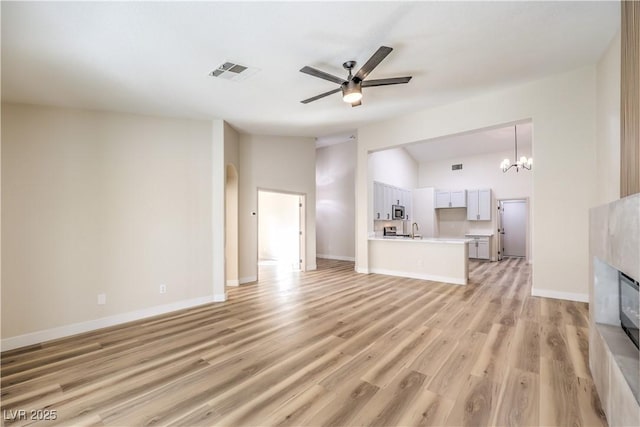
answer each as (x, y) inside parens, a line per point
(356, 104)
(322, 95)
(385, 82)
(322, 75)
(373, 62)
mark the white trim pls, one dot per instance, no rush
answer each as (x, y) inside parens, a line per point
(571, 296)
(411, 275)
(220, 297)
(311, 267)
(336, 257)
(248, 279)
(362, 270)
(103, 322)
(235, 282)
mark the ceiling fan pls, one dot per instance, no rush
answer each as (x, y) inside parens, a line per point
(351, 87)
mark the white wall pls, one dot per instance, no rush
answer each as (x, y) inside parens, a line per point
(608, 124)
(99, 202)
(563, 112)
(394, 167)
(231, 144)
(274, 163)
(482, 171)
(336, 201)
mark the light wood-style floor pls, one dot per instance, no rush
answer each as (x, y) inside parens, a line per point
(328, 347)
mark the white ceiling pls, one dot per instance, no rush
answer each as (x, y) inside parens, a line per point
(154, 57)
(473, 144)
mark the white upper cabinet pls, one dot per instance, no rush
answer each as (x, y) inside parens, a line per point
(479, 205)
(385, 196)
(388, 202)
(451, 199)
(459, 199)
(396, 195)
(443, 199)
(378, 200)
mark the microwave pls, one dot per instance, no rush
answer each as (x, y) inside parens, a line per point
(397, 212)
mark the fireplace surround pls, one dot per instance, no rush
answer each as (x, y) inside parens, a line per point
(614, 359)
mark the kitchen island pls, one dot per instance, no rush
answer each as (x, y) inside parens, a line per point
(438, 259)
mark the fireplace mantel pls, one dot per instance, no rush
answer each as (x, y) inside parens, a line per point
(614, 245)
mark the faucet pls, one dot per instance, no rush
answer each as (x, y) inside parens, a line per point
(413, 231)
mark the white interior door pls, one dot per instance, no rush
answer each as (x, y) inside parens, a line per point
(514, 227)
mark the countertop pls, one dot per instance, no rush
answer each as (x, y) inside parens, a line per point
(422, 240)
(479, 234)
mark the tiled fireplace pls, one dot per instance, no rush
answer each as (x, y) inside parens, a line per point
(614, 359)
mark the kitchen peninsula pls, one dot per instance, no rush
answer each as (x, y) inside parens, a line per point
(438, 259)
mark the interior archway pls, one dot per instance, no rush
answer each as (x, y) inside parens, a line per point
(231, 226)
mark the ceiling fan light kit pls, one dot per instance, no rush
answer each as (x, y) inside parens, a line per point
(351, 87)
(351, 92)
(522, 162)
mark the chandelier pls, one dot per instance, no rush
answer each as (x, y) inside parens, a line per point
(522, 163)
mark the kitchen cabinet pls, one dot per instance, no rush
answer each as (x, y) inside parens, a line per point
(479, 248)
(385, 196)
(378, 200)
(407, 202)
(479, 205)
(388, 202)
(451, 199)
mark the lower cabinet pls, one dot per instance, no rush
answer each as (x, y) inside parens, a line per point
(479, 248)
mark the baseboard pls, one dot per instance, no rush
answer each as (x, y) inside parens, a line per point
(312, 267)
(571, 296)
(362, 270)
(411, 275)
(235, 282)
(248, 279)
(220, 297)
(336, 257)
(103, 322)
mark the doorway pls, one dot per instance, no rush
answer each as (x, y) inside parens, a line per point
(231, 226)
(512, 228)
(281, 230)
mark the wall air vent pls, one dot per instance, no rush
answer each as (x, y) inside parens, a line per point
(456, 167)
(234, 72)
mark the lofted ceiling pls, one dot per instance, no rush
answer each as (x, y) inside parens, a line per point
(155, 57)
(473, 144)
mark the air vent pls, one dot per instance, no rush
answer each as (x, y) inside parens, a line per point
(234, 72)
(456, 167)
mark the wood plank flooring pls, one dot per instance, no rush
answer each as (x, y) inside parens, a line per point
(325, 348)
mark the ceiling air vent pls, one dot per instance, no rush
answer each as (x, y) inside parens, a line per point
(234, 72)
(456, 167)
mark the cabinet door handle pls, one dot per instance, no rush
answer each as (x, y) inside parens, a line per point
(449, 204)
(378, 215)
(478, 216)
(387, 216)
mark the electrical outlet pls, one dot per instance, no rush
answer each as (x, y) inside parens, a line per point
(163, 289)
(102, 299)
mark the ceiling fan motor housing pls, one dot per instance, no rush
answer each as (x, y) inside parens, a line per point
(352, 90)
